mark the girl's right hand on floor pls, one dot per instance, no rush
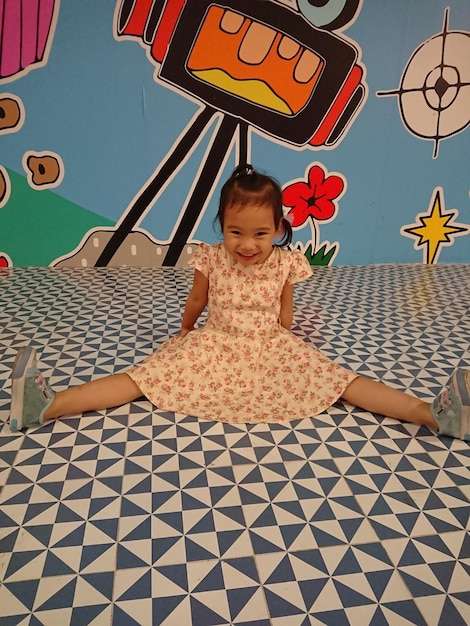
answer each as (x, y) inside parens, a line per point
(185, 331)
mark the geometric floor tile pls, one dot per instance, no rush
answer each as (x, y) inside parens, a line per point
(135, 516)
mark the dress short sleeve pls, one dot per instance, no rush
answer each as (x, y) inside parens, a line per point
(200, 259)
(300, 268)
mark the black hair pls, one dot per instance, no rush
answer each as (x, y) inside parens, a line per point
(246, 185)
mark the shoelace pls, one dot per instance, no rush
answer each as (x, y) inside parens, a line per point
(444, 399)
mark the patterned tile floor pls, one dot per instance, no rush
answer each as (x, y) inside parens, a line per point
(135, 516)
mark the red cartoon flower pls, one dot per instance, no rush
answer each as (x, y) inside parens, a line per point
(314, 198)
(3, 261)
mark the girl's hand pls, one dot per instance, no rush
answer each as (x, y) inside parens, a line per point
(185, 331)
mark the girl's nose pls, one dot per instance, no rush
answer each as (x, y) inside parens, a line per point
(247, 248)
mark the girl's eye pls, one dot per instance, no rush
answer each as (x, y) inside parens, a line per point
(262, 234)
(235, 232)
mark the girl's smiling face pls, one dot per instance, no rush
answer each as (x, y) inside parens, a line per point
(249, 232)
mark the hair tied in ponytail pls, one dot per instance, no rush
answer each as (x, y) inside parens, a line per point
(244, 170)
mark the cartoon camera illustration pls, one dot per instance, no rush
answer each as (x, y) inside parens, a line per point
(258, 61)
(253, 65)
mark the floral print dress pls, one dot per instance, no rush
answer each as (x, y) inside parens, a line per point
(242, 365)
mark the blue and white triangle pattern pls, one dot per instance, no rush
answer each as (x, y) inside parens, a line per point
(134, 516)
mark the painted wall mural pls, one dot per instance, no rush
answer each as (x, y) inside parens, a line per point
(434, 95)
(115, 140)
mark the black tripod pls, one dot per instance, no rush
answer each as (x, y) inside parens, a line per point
(218, 150)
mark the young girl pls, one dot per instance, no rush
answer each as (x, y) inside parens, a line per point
(244, 365)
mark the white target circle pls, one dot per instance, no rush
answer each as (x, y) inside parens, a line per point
(435, 88)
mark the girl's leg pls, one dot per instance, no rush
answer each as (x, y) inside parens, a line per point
(379, 398)
(33, 400)
(96, 395)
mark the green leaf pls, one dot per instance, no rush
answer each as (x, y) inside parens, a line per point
(322, 256)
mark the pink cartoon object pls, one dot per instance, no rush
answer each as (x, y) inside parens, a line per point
(26, 28)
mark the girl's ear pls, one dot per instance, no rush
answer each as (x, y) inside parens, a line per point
(281, 230)
(285, 220)
(284, 231)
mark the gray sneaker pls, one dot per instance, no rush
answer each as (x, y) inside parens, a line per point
(451, 408)
(30, 394)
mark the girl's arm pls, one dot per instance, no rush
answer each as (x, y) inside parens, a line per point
(287, 306)
(196, 302)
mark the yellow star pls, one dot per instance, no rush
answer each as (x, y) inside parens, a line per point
(437, 228)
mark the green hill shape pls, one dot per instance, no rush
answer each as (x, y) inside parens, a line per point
(37, 227)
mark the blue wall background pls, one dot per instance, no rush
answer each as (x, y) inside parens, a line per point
(95, 103)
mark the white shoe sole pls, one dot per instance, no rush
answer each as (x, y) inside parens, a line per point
(25, 359)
